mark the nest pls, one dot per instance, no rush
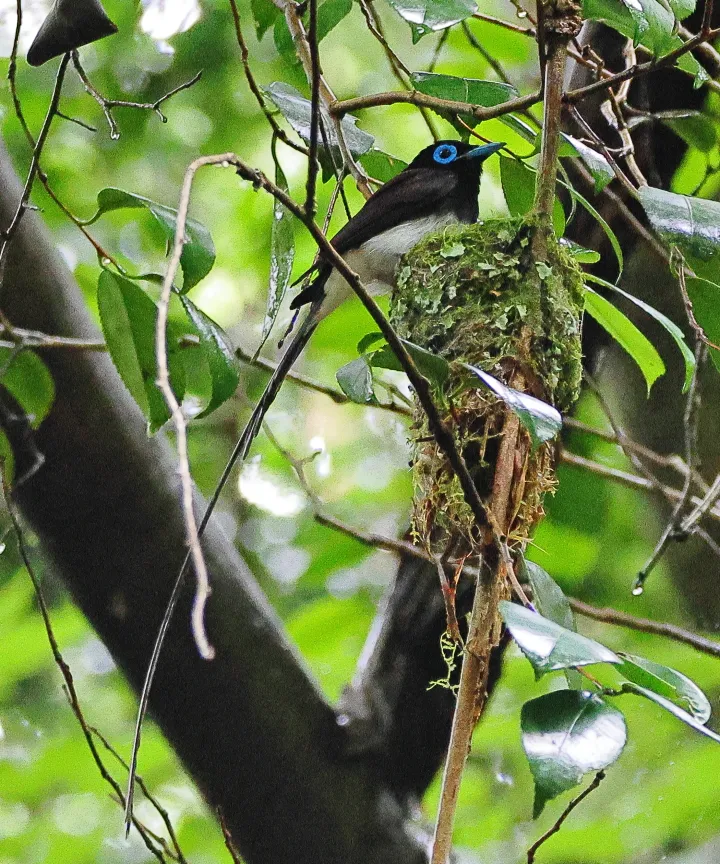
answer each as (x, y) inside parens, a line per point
(475, 294)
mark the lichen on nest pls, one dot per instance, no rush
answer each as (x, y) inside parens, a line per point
(475, 294)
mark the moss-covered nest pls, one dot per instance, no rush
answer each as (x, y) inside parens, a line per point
(475, 294)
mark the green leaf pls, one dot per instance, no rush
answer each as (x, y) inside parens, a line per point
(672, 708)
(368, 340)
(428, 16)
(356, 381)
(382, 166)
(472, 90)
(609, 233)
(264, 13)
(696, 129)
(223, 366)
(330, 14)
(29, 381)
(541, 420)
(649, 23)
(435, 368)
(596, 163)
(548, 596)
(282, 256)
(523, 129)
(705, 298)
(627, 335)
(668, 683)
(549, 646)
(579, 253)
(691, 224)
(565, 735)
(128, 318)
(675, 332)
(518, 183)
(296, 109)
(198, 255)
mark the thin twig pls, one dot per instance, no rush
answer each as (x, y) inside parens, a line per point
(646, 625)
(7, 235)
(69, 683)
(689, 310)
(599, 777)
(107, 105)
(229, 842)
(315, 73)
(673, 530)
(278, 131)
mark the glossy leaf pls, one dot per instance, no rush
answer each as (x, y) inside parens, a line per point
(128, 317)
(472, 90)
(705, 298)
(29, 380)
(627, 335)
(549, 646)
(518, 183)
(222, 364)
(565, 735)
(650, 23)
(548, 596)
(541, 420)
(668, 683)
(282, 256)
(596, 163)
(296, 109)
(691, 224)
(428, 16)
(198, 255)
(435, 368)
(672, 708)
(356, 381)
(675, 332)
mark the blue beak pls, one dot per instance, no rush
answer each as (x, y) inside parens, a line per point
(484, 151)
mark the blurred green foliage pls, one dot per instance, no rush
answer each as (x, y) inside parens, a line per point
(54, 806)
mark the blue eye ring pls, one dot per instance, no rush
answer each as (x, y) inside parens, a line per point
(445, 153)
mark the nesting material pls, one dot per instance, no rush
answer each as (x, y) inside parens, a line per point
(475, 294)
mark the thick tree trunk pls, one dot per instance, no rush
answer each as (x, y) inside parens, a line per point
(251, 727)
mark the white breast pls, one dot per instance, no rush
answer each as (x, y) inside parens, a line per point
(376, 260)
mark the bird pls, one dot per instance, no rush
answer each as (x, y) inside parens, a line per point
(438, 188)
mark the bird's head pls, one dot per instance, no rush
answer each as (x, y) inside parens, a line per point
(455, 156)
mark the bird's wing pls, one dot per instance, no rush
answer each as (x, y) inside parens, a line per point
(410, 195)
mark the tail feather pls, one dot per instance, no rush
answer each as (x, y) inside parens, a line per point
(273, 386)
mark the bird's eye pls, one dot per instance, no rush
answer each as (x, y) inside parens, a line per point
(445, 153)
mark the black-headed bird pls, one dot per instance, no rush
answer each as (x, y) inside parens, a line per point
(438, 188)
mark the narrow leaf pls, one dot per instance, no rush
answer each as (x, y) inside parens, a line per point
(565, 735)
(668, 683)
(224, 373)
(627, 335)
(541, 420)
(472, 90)
(675, 332)
(128, 318)
(282, 256)
(549, 646)
(579, 253)
(672, 708)
(609, 233)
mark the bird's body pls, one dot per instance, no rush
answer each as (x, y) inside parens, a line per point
(438, 188)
